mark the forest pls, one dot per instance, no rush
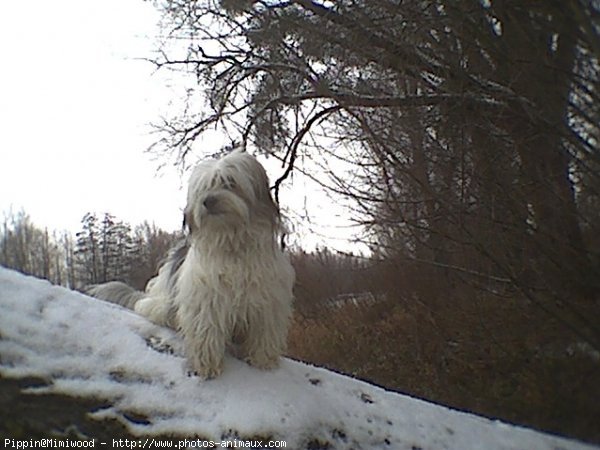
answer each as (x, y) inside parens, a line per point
(465, 138)
(463, 135)
(104, 249)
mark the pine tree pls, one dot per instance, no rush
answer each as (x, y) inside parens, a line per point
(88, 251)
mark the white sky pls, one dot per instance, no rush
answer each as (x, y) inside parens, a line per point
(75, 106)
(74, 110)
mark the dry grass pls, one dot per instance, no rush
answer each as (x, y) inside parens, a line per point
(453, 344)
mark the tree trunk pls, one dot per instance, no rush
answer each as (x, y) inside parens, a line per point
(538, 68)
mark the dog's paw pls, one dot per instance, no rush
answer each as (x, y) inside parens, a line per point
(162, 340)
(160, 345)
(204, 371)
(263, 362)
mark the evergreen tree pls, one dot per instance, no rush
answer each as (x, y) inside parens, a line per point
(88, 251)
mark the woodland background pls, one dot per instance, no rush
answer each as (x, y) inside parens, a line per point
(465, 137)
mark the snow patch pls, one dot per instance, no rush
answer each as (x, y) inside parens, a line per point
(85, 347)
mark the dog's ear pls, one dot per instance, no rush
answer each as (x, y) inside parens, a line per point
(268, 208)
(188, 221)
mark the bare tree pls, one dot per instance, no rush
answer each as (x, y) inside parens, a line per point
(471, 127)
(152, 245)
(29, 249)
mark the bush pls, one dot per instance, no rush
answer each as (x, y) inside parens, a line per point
(449, 342)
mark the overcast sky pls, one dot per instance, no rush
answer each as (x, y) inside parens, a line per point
(76, 101)
(75, 107)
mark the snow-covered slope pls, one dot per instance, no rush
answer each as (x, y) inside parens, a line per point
(87, 348)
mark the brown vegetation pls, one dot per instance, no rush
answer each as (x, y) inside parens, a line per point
(434, 336)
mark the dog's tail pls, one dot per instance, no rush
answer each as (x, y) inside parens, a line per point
(115, 292)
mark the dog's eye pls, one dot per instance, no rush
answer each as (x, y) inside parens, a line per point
(230, 183)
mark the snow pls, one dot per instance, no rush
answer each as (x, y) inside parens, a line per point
(88, 348)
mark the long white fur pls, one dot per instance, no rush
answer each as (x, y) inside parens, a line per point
(231, 286)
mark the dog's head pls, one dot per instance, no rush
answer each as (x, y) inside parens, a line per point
(228, 194)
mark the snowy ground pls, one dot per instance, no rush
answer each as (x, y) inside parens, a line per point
(87, 348)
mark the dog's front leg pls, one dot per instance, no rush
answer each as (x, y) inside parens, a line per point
(265, 339)
(204, 345)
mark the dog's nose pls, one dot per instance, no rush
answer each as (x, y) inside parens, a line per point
(210, 202)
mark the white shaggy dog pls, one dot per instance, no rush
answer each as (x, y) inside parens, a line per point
(228, 285)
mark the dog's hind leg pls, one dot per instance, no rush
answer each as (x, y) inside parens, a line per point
(156, 309)
(115, 292)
